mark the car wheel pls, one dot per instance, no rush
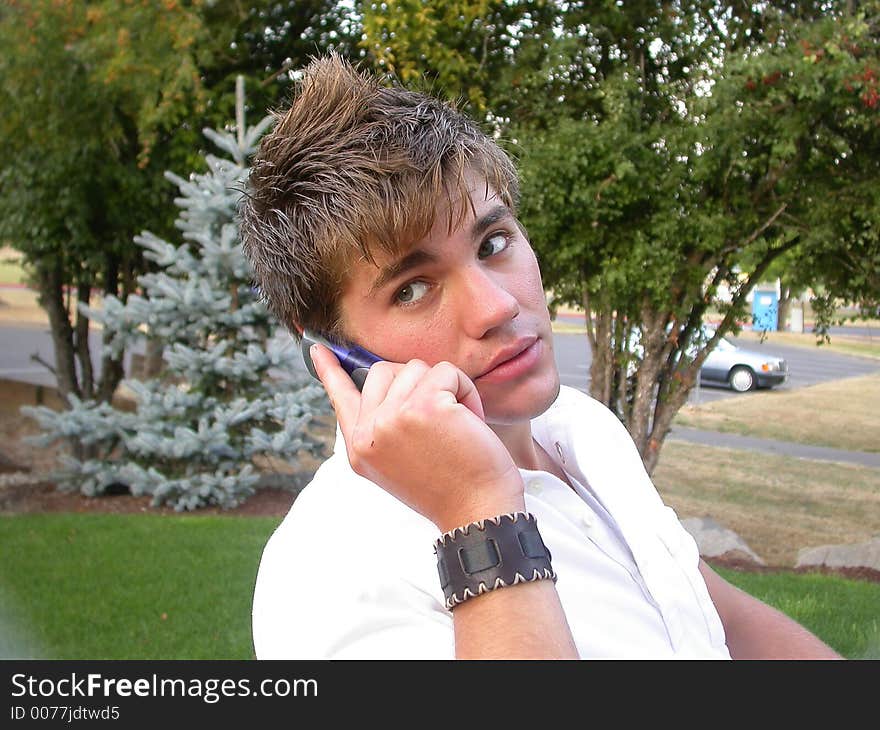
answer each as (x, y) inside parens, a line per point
(742, 379)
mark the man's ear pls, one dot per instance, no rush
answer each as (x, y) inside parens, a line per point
(298, 327)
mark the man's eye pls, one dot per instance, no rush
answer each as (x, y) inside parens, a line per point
(495, 244)
(412, 292)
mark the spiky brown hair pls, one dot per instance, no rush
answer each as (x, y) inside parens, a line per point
(353, 167)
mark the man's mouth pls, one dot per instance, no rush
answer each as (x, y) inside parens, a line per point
(512, 361)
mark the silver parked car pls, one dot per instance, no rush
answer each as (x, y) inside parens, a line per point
(742, 369)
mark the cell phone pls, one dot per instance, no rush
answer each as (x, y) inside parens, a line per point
(355, 360)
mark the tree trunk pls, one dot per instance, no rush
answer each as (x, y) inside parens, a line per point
(663, 415)
(601, 371)
(50, 282)
(653, 338)
(51, 298)
(81, 342)
(112, 370)
(152, 363)
(784, 310)
(678, 385)
(112, 374)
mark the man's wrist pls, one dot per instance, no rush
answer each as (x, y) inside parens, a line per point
(483, 556)
(465, 514)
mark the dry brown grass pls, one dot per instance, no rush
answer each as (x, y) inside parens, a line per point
(11, 269)
(861, 345)
(777, 504)
(842, 414)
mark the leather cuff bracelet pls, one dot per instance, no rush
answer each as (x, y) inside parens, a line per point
(489, 554)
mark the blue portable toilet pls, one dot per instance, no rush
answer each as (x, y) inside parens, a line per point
(765, 310)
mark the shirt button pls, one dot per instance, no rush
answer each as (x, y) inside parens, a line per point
(587, 519)
(534, 486)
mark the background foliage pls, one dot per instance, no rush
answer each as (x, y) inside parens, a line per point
(674, 152)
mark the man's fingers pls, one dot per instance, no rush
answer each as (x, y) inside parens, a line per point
(390, 385)
(343, 393)
(447, 377)
(406, 379)
(375, 391)
(468, 395)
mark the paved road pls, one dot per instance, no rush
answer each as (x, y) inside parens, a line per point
(18, 343)
(807, 366)
(772, 446)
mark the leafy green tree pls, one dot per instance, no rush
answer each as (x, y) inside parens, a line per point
(495, 56)
(847, 268)
(82, 86)
(98, 100)
(670, 149)
(643, 208)
(265, 41)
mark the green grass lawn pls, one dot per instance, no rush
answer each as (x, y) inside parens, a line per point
(844, 613)
(159, 587)
(128, 586)
(10, 273)
(11, 270)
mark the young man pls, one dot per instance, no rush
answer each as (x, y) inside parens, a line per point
(385, 218)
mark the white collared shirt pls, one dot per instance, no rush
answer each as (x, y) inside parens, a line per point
(351, 571)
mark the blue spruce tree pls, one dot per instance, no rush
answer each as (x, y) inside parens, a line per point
(231, 393)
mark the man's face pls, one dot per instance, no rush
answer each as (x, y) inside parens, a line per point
(473, 298)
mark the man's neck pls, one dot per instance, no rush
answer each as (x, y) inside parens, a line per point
(518, 440)
(526, 452)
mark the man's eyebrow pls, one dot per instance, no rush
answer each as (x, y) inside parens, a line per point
(418, 257)
(489, 219)
(413, 259)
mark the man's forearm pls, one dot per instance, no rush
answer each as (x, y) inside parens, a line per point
(523, 621)
(755, 630)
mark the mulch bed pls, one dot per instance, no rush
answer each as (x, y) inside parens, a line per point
(737, 563)
(44, 497)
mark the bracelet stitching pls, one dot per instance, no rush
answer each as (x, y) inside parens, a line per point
(480, 525)
(453, 542)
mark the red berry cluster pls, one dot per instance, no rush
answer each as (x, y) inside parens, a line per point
(870, 95)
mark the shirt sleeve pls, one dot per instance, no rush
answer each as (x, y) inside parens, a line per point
(344, 582)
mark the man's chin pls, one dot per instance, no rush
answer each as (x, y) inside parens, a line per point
(519, 405)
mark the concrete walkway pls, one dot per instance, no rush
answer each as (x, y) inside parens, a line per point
(784, 448)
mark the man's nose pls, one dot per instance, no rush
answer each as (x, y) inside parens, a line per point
(485, 301)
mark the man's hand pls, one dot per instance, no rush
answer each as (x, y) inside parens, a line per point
(418, 432)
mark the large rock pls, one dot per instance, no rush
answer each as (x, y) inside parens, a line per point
(715, 541)
(858, 555)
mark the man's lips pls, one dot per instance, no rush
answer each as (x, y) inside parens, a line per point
(512, 360)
